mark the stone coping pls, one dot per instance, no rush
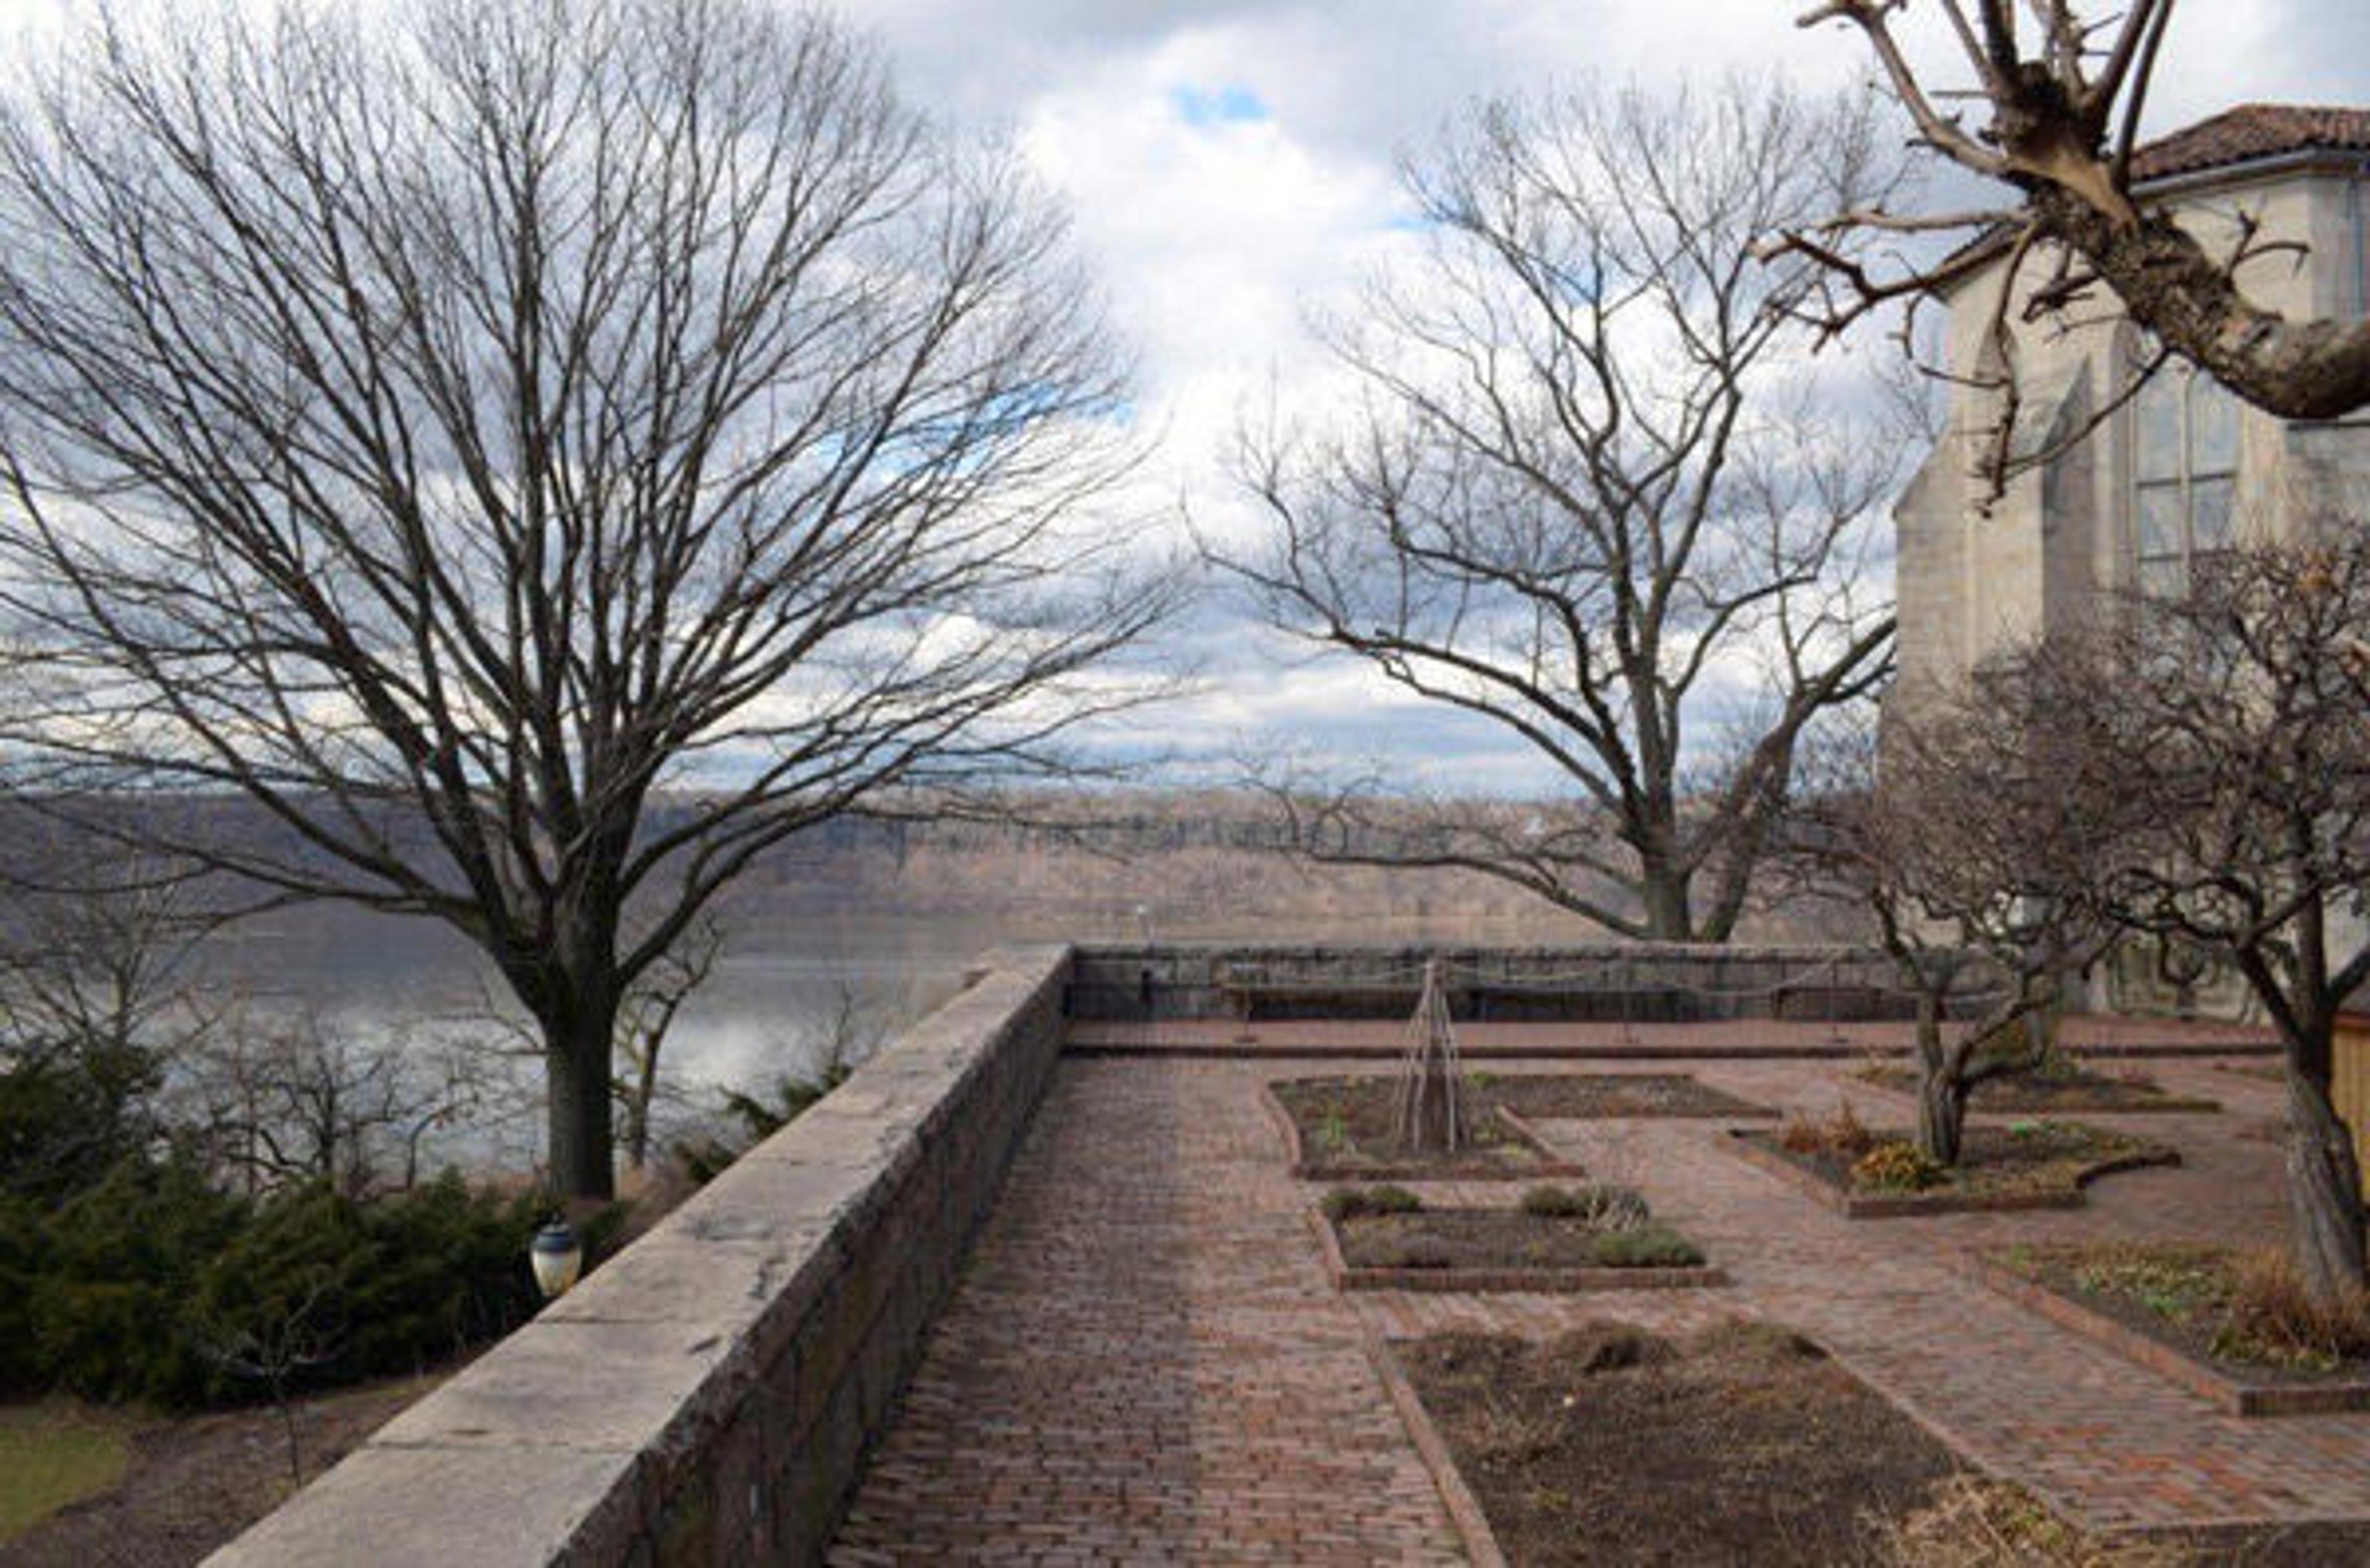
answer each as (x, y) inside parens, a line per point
(2232, 1394)
(1453, 951)
(703, 1396)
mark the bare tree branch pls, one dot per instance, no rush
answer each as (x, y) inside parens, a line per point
(2062, 128)
(540, 458)
(1583, 495)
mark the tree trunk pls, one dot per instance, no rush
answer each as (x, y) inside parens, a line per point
(636, 1136)
(2324, 1194)
(582, 1145)
(1668, 916)
(1942, 1116)
(1941, 1082)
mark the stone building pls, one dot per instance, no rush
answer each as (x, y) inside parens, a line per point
(2171, 472)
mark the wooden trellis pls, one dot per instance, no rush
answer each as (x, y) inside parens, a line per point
(1430, 1115)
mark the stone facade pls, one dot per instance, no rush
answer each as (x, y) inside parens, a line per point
(1977, 573)
(2167, 473)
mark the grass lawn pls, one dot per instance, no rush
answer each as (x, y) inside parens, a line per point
(57, 1452)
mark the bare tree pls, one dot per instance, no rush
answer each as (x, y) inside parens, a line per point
(537, 458)
(1589, 497)
(2240, 718)
(1978, 841)
(299, 1100)
(95, 1012)
(275, 1344)
(646, 1018)
(2058, 91)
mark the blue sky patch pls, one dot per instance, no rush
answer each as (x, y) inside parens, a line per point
(1231, 105)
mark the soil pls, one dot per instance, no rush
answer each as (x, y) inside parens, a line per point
(2079, 1089)
(1574, 1096)
(1346, 1132)
(1609, 1446)
(1345, 1123)
(2178, 1295)
(2023, 1160)
(195, 1481)
(1474, 1239)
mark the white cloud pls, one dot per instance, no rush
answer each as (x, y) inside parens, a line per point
(1231, 164)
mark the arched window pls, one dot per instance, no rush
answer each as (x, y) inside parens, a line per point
(2186, 476)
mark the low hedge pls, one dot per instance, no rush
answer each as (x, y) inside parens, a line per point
(151, 1285)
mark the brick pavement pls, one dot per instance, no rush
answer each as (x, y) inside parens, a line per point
(2103, 1439)
(1143, 1363)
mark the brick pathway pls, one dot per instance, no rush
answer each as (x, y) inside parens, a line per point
(1144, 1364)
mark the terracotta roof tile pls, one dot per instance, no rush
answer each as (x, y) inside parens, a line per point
(2249, 131)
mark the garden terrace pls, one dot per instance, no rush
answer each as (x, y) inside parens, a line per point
(1141, 1355)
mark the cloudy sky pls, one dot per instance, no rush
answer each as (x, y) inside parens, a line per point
(1230, 162)
(1230, 166)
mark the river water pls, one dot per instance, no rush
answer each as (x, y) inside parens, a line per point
(766, 1011)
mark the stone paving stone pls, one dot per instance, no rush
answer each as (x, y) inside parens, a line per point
(1144, 1364)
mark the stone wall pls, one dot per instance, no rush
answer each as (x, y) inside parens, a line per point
(707, 1396)
(1639, 982)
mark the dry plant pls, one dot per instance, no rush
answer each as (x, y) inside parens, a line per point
(1974, 1521)
(2273, 1316)
(1840, 1132)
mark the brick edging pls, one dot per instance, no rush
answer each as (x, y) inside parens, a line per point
(1551, 1165)
(1485, 1281)
(1465, 1510)
(1886, 1206)
(2232, 1395)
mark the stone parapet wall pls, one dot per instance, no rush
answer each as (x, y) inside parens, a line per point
(1640, 982)
(708, 1395)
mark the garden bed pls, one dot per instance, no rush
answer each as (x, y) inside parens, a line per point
(2023, 1165)
(2056, 1090)
(2187, 1313)
(1608, 1444)
(1594, 1240)
(1576, 1096)
(2263, 1071)
(1340, 1128)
